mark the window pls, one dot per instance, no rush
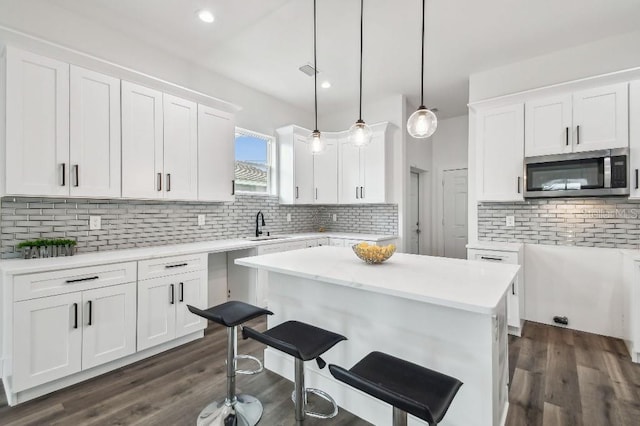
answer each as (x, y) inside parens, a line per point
(253, 162)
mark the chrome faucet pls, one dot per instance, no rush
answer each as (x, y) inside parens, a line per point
(258, 231)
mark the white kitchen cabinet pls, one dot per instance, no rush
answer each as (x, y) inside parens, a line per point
(512, 254)
(349, 175)
(325, 173)
(47, 340)
(180, 148)
(303, 171)
(162, 307)
(94, 154)
(142, 142)
(295, 166)
(548, 126)
(634, 138)
(216, 154)
(500, 153)
(37, 125)
(631, 304)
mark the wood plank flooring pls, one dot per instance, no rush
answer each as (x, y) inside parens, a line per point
(558, 377)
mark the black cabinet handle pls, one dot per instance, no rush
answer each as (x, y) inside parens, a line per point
(578, 134)
(233, 187)
(297, 193)
(172, 300)
(75, 315)
(316, 193)
(497, 259)
(77, 280)
(362, 192)
(159, 185)
(168, 182)
(63, 166)
(636, 178)
(90, 312)
(567, 137)
(357, 194)
(513, 288)
(76, 183)
(177, 265)
(518, 184)
(182, 292)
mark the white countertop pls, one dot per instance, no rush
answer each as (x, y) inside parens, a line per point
(467, 285)
(22, 266)
(495, 245)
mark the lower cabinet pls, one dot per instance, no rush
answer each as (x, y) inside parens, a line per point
(162, 307)
(60, 335)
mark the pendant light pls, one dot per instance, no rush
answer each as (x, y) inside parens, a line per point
(422, 123)
(360, 133)
(317, 144)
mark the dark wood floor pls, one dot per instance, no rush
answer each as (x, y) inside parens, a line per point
(559, 377)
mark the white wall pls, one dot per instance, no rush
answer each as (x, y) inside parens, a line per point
(260, 112)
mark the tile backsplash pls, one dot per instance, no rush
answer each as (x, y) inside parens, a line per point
(135, 223)
(588, 222)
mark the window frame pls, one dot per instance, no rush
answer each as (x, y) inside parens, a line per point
(271, 160)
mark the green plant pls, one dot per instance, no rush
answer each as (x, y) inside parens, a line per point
(46, 242)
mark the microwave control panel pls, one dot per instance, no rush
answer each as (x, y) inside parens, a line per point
(619, 171)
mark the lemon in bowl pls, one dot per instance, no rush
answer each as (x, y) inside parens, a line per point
(373, 254)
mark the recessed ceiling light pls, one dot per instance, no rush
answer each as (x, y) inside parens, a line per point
(206, 16)
(325, 85)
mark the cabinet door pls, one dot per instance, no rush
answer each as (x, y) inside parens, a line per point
(634, 138)
(109, 326)
(325, 174)
(548, 126)
(47, 339)
(156, 311)
(336, 242)
(372, 170)
(216, 155)
(191, 289)
(303, 171)
(37, 125)
(142, 142)
(349, 173)
(513, 305)
(94, 154)
(180, 148)
(500, 154)
(601, 118)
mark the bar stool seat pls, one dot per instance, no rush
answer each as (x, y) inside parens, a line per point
(236, 410)
(304, 342)
(408, 387)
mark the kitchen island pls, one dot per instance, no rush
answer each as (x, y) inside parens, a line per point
(445, 314)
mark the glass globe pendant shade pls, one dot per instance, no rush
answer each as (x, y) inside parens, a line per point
(360, 134)
(422, 123)
(317, 144)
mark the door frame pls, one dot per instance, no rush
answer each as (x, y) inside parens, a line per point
(439, 227)
(425, 211)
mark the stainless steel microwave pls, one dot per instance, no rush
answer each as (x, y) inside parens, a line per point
(581, 174)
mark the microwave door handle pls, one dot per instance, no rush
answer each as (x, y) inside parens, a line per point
(607, 172)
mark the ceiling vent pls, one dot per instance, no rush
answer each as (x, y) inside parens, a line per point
(308, 70)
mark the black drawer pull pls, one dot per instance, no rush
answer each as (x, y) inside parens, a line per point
(173, 288)
(78, 280)
(75, 315)
(178, 265)
(497, 259)
(90, 313)
(182, 292)
(233, 187)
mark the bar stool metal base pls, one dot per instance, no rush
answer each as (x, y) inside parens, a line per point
(246, 411)
(399, 417)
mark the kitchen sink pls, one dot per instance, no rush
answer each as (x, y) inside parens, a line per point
(268, 237)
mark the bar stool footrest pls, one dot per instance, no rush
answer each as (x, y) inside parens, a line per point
(251, 358)
(322, 394)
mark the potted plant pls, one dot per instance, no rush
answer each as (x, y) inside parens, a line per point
(34, 249)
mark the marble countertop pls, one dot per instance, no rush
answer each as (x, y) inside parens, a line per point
(22, 266)
(456, 283)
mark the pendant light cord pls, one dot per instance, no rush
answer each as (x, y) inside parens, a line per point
(422, 63)
(361, 50)
(315, 68)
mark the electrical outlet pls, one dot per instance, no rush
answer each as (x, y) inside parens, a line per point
(201, 220)
(510, 221)
(335, 217)
(95, 223)
(288, 217)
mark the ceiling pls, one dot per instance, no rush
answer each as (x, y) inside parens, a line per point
(262, 43)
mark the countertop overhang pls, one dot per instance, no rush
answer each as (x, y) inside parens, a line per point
(462, 284)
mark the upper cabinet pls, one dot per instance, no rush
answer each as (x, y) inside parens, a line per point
(37, 125)
(583, 121)
(216, 154)
(500, 153)
(295, 166)
(634, 137)
(325, 173)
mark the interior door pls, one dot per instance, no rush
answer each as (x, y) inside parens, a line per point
(454, 218)
(325, 174)
(95, 134)
(303, 171)
(548, 126)
(156, 311)
(47, 339)
(216, 154)
(37, 125)
(414, 214)
(191, 289)
(142, 142)
(109, 330)
(349, 178)
(180, 148)
(601, 118)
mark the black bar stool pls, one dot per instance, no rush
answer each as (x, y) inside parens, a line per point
(408, 387)
(240, 410)
(304, 342)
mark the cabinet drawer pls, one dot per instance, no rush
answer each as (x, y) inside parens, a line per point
(173, 265)
(493, 256)
(44, 284)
